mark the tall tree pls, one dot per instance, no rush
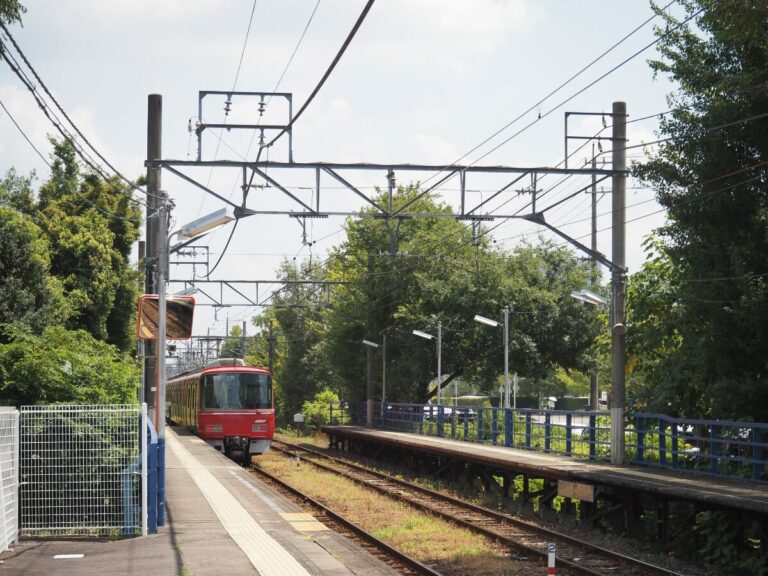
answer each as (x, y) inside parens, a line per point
(28, 295)
(91, 224)
(711, 177)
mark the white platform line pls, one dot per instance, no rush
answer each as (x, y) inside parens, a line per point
(266, 499)
(266, 555)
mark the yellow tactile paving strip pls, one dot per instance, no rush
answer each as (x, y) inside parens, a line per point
(266, 555)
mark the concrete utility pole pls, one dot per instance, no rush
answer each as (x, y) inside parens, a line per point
(154, 152)
(593, 386)
(618, 282)
(369, 387)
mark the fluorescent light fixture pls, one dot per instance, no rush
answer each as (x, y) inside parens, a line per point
(589, 297)
(421, 334)
(371, 344)
(207, 222)
(187, 291)
(486, 321)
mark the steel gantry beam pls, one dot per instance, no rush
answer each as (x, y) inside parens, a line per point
(233, 292)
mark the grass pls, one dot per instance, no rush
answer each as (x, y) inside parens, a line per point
(431, 540)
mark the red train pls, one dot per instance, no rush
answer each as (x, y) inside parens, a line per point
(226, 403)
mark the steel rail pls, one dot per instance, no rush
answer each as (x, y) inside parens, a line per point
(500, 517)
(406, 560)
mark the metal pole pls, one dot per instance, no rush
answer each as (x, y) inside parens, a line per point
(383, 374)
(618, 281)
(154, 148)
(369, 388)
(144, 431)
(162, 277)
(594, 392)
(439, 359)
(506, 361)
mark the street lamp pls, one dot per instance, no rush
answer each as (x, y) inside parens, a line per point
(421, 334)
(369, 402)
(191, 230)
(488, 322)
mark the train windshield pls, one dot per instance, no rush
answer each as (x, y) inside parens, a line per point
(237, 391)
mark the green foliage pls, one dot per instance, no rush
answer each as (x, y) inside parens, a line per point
(317, 411)
(91, 225)
(63, 366)
(730, 543)
(10, 12)
(27, 294)
(700, 307)
(408, 274)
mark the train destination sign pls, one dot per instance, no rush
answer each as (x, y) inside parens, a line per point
(179, 311)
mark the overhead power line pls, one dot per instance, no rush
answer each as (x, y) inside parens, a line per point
(328, 72)
(61, 109)
(43, 158)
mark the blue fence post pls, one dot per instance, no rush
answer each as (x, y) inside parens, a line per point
(757, 466)
(592, 436)
(640, 426)
(330, 414)
(161, 481)
(440, 421)
(675, 444)
(662, 443)
(466, 423)
(568, 421)
(547, 431)
(714, 449)
(508, 420)
(528, 430)
(480, 422)
(152, 480)
(453, 422)
(494, 425)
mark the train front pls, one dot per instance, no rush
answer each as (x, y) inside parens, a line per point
(237, 414)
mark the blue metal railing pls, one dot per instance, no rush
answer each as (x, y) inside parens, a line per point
(714, 447)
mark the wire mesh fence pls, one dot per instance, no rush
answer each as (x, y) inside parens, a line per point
(80, 470)
(9, 476)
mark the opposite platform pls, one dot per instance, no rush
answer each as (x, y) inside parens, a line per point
(717, 491)
(220, 519)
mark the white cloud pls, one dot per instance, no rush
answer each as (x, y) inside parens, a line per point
(434, 150)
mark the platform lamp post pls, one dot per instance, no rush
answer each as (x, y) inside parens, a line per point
(369, 402)
(421, 334)
(593, 299)
(488, 322)
(191, 230)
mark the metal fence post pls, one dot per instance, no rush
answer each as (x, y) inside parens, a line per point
(714, 449)
(508, 423)
(568, 432)
(144, 462)
(756, 464)
(547, 431)
(662, 443)
(640, 426)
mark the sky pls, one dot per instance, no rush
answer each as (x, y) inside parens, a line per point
(423, 81)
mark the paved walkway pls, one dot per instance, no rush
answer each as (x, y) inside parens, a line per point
(220, 520)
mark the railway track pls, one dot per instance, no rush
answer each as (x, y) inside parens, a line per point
(573, 554)
(406, 564)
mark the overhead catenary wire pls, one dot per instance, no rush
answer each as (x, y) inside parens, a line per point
(21, 131)
(64, 113)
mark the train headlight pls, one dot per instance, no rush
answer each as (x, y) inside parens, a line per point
(260, 428)
(213, 428)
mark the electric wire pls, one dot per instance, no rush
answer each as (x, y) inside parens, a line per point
(63, 112)
(21, 131)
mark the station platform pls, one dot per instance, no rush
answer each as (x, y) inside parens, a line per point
(714, 491)
(220, 519)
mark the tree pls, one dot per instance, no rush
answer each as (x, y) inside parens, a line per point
(91, 225)
(28, 295)
(710, 176)
(63, 366)
(413, 274)
(10, 12)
